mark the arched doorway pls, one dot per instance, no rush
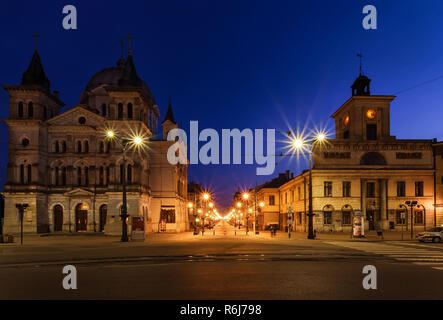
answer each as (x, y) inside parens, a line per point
(103, 213)
(58, 218)
(81, 217)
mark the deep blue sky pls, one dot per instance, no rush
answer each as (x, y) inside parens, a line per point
(239, 64)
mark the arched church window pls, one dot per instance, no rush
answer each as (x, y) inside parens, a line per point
(129, 179)
(57, 176)
(29, 173)
(64, 146)
(22, 174)
(104, 109)
(120, 111)
(30, 110)
(79, 176)
(102, 147)
(86, 144)
(20, 109)
(79, 146)
(129, 110)
(86, 176)
(101, 176)
(64, 176)
(108, 149)
(107, 175)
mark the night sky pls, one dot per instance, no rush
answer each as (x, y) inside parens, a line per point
(240, 64)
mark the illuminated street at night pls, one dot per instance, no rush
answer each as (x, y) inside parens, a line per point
(214, 267)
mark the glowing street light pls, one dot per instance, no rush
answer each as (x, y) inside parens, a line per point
(136, 141)
(300, 144)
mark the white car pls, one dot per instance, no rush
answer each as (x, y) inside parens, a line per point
(434, 234)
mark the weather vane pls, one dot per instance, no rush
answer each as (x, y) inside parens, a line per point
(360, 56)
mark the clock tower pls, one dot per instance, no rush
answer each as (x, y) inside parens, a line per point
(364, 117)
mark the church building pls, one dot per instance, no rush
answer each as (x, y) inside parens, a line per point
(69, 172)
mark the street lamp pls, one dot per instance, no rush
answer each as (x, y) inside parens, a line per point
(127, 143)
(412, 204)
(300, 144)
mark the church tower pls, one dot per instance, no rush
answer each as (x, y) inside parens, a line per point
(30, 104)
(169, 123)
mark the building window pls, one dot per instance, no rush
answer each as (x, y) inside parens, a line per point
(22, 173)
(327, 217)
(401, 189)
(346, 134)
(79, 176)
(346, 189)
(418, 219)
(45, 112)
(129, 174)
(286, 197)
(64, 146)
(400, 217)
(20, 109)
(102, 147)
(57, 148)
(29, 173)
(56, 176)
(104, 109)
(82, 120)
(86, 176)
(79, 146)
(168, 215)
(25, 142)
(129, 110)
(86, 149)
(299, 193)
(30, 110)
(371, 132)
(107, 175)
(370, 189)
(64, 176)
(272, 200)
(419, 188)
(101, 176)
(120, 111)
(300, 218)
(328, 189)
(346, 217)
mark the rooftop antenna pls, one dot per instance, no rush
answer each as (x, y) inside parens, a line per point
(361, 57)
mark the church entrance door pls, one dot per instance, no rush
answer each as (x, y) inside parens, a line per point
(58, 218)
(81, 217)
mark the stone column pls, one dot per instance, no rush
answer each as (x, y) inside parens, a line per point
(363, 202)
(384, 222)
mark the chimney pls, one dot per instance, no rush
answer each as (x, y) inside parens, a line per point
(292, 175)
(287, 174)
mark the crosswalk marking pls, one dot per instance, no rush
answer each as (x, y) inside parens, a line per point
(411, 253)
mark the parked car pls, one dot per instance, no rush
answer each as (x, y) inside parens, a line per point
(434, 234)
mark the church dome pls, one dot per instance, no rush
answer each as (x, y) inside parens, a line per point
(122, 75)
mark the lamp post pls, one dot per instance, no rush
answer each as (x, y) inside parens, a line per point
(247, 210)
(412, 204)
(135, 141)
(300, 144)
(405, 219)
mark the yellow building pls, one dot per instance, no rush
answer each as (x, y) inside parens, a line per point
(362, 170)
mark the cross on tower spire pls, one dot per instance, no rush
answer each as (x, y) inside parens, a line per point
(123, 47)
(129, 37)
(36, 36)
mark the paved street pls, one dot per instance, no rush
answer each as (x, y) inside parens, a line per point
(220, 266)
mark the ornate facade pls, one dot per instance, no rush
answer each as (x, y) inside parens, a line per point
(70, 173)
